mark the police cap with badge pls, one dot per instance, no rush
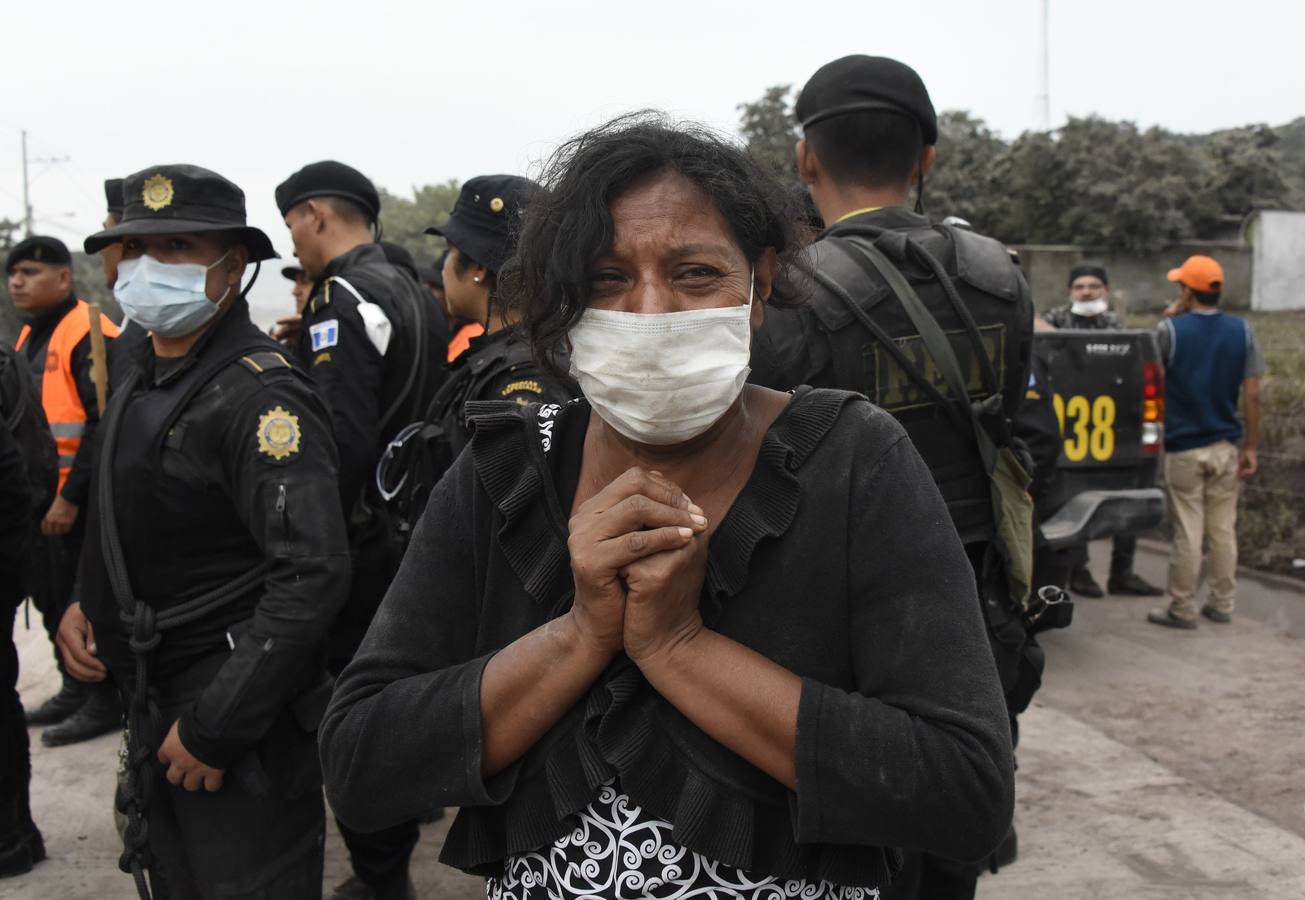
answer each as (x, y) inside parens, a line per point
(182, 199)
(859, 83)
(329, 178)
(38, 248)
(485, 217)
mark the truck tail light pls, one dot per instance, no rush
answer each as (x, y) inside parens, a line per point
(1153, 408)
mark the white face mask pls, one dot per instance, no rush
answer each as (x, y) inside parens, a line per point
(663, 378)
(1088, 307)
(168, 299)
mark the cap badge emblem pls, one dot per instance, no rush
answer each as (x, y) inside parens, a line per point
(158, 192)
(496, 205)
(278, 433)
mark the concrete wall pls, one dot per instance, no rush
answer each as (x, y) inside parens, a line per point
(1137, 281)
(1278, 239)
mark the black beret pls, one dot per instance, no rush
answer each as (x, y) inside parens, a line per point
(329, 179)
(400, 258)
(292, 272)
(38, 248)
(485, 216)
(857, 83)
(182, 199)
(113, 196)
(1096, 270)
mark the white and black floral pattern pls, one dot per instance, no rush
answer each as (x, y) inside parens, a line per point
(617, 852)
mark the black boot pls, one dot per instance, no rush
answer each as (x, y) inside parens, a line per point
(100, 714)
(17, 857)
(62, 705)
(1082, 583)
(1132, 584)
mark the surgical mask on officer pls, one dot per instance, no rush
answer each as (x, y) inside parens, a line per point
(168, 299)
(663, 378)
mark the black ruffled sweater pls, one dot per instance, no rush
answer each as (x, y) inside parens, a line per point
(837, 561)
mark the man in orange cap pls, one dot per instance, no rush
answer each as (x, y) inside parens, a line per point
(1210, 359)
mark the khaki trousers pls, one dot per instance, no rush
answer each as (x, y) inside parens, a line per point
(1203, 486)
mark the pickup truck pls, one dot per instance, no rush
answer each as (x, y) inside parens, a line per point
(1108, 393)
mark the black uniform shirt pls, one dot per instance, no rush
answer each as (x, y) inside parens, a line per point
(36, 348)
(495, 366)
(207, 489)
(357, 381)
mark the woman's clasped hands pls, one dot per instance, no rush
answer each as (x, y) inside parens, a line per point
(639, 554)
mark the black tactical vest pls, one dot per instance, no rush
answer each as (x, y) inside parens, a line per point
(988, 324)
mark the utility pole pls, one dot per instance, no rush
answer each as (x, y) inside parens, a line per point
(27, 203)
(27, 198)
(1043, 106)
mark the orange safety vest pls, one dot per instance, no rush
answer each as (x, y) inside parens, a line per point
(462, 340)
(63, 405)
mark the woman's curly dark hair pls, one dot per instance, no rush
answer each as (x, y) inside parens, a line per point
(569, 224)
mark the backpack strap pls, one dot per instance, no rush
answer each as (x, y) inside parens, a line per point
(904, 246)
(410, 393)
(935, 342)
(848, 375)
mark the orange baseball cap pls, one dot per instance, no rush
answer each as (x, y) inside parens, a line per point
(1200, 273)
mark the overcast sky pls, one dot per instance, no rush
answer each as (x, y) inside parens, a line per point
(421, 92)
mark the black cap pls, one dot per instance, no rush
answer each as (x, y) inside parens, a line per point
(1096, 270)
(38, 248)
(856, 83)
(292, 272)
(181, 199)
(329, 179)
(113, 196)
(400, 258)
(485, 216)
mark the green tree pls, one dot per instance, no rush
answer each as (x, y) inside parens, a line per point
(1100, 183)
(405, 221)
(770, 131)
(1291, 150)
(968, 179)
(1245, 172)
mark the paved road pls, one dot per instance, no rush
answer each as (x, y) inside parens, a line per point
(1154, 764)
(1165, 764)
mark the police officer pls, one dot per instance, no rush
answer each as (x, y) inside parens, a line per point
(28, 478)
(869, 131)
(215, 559)
(111, 255)
(498, 364)
(302, 286)
(364, 338)
(130, 336)
(57, 343)
(1089, 308)
(437, 334)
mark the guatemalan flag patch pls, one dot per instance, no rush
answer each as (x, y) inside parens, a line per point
(325, 334)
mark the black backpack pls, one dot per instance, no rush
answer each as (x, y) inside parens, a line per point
(25, 418)
(422, 451)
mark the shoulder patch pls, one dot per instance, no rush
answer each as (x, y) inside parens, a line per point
(325, 334)
(264, 361)
(524, 385)
(278, 433)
